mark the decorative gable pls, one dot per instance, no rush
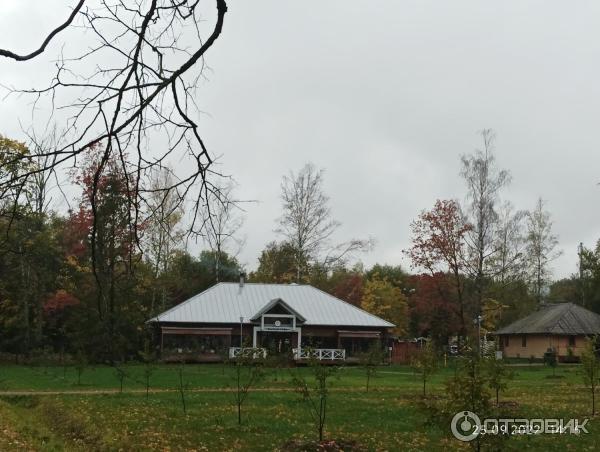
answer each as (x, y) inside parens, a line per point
(277, 315)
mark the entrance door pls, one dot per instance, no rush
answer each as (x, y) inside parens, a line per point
(276, 343)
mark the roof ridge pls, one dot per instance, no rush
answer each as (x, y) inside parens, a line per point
(569, 306)
(266, 284)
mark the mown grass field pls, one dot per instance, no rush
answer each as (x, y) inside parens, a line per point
(43, 408)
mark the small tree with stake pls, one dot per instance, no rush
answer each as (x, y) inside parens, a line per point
(469, 389)
(372, 358)
(182, 386)
(497, 373)
(426, 362)
(316, 396)
(148, 358)
(249, 370)
(80, 364)
(551, 360)
(121, 374)
(591, 369)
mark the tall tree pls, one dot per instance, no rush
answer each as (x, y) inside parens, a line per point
(277, 264)
(541, 248)
(107, 218)
(484, 182)
(224, 218)
(439, 245)
(307, 224)
(507, 263)
(162, 235)
(382, 298)
(433, 308)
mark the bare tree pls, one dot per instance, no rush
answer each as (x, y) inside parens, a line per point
(541, 248)
(224, 221)
(484, 182)
(307, 224)
(508, 263)
(42, 156)
(126, 78)
(135, 81)
(162, 235)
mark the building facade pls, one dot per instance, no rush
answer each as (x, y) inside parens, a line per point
(276, 319)
(560, 327)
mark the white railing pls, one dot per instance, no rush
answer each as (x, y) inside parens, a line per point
(247, 352)
(334, 354)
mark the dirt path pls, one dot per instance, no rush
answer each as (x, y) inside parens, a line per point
(13, 393)
(28, 392)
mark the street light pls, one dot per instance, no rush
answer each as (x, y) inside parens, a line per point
(478, 320)
(241, 326)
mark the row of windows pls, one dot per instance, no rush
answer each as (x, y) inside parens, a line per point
(524, 341)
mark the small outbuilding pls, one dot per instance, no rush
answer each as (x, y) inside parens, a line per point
(284, 319)
(562, 327)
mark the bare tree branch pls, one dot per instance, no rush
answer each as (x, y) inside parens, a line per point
(53, 33)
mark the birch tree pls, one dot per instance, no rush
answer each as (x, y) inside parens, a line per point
(163, 236)
(224, 218)
(484, 182)
(508, 262)
(541, 248)
(307, 223)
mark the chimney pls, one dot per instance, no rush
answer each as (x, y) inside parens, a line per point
(242, 278)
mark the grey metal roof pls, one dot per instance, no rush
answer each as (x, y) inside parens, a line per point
(558, 318)
(227, 302)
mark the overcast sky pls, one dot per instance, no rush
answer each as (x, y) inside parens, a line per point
(386, 96)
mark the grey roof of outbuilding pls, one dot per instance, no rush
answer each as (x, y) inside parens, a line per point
(557, 318)
(227, 302)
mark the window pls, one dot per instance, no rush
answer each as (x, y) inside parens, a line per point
(524, 341)
(571, 341)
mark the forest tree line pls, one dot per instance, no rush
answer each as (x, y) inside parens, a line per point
(86, 281)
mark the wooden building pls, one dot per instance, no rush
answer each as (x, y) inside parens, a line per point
(562, 327)
(284, 319)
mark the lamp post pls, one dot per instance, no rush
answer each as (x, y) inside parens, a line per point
(478, 320)
(241, 327)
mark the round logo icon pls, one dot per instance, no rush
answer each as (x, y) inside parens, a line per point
(465, 426)
(277, 323)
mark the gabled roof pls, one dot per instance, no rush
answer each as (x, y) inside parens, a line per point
(558, 318)
(227, 302)
(278, 301)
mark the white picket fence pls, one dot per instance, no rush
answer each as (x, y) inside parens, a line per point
(247, 352)
(333, 354)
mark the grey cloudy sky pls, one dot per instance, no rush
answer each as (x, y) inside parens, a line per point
(386, 96)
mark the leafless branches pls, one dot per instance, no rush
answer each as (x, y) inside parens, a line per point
(133, 92)
(51, 35)
(541, 247)
(306, 222)
(224, 221)
(484, 182)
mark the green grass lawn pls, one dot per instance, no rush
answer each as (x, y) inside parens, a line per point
(388, 417)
